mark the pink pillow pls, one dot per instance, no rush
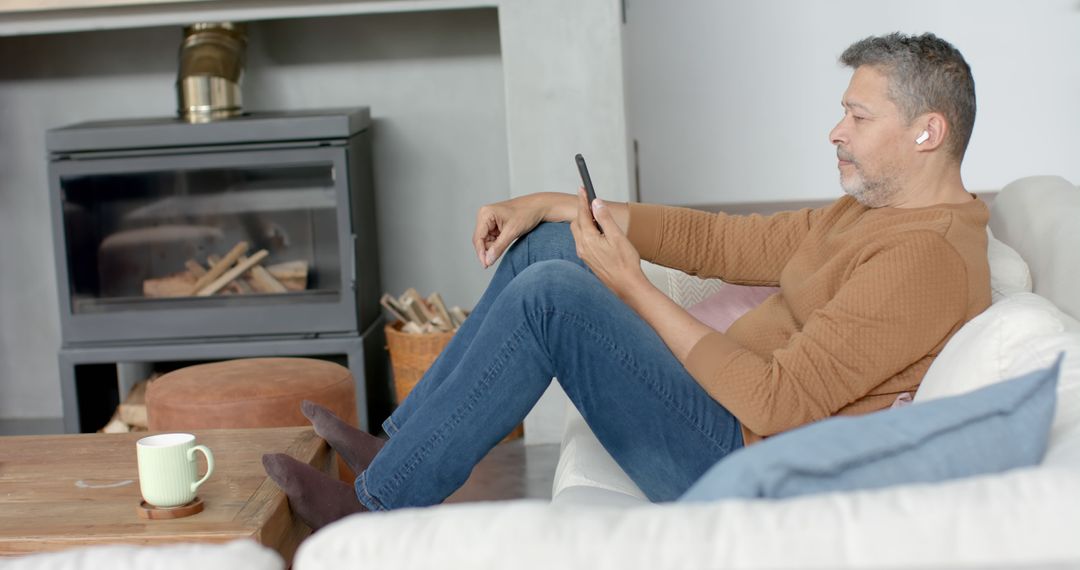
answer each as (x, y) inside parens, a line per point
(722, 308)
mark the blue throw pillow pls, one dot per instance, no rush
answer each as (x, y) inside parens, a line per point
(999, 427)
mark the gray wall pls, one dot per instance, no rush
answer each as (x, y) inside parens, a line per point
(733, 101)
(434, 82)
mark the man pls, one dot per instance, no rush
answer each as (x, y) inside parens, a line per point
(871, 288)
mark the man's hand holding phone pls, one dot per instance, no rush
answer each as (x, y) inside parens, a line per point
(601, 243)
(586, 182)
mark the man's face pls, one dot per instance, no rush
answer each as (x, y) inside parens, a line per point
(871, 140)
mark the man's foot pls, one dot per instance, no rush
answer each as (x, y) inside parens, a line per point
(357, 448)
(315, 498)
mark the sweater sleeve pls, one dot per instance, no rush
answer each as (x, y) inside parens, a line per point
(902, 299)
(748, 250)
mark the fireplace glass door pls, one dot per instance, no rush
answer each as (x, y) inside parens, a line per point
(206, 238)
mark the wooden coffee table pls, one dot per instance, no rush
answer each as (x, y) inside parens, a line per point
(59, 492)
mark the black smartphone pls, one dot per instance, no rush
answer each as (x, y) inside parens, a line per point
(586, 181)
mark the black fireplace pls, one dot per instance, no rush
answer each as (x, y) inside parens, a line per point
(144, 211)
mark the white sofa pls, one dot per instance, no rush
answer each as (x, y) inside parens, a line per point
(599, 519)
(586, 474)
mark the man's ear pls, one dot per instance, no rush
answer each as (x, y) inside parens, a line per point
(935, 128)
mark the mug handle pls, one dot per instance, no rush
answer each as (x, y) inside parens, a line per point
(209, 463)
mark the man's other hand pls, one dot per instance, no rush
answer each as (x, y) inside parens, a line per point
(499, 224)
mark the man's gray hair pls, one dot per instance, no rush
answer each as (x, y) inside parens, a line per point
(926, 74)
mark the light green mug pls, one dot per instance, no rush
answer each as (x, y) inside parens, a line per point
(167, 475)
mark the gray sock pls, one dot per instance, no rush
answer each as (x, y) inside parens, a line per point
(314, 497)
(358, 448)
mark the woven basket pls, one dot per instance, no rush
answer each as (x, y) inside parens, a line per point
(411, 354)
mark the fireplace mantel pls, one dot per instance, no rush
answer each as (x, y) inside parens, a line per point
(562, 65)
(19, 17)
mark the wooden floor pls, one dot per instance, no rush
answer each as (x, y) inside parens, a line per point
(512, 470)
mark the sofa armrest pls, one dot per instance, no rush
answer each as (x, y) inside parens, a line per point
(1036, 216)
(586, 473)
(1017, 519)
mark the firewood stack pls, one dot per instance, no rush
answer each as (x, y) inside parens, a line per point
(235, 274)
(421, 315)
(130, 415)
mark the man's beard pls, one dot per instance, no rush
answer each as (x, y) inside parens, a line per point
(872, 193)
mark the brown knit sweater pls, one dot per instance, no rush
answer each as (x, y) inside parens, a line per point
(868, 298)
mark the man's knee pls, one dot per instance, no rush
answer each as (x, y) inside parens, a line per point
(551, 272)
(551, 232)
(548, 240)
(551, 280)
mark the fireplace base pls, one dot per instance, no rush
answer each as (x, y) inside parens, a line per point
(89, 378)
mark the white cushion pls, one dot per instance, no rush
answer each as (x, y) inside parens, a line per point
(985, 348)
(1009, 273)
(236, 555)
(1017, 519)
(1040, 352)
(1021, 333)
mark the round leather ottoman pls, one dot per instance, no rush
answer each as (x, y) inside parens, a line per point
(248, 393)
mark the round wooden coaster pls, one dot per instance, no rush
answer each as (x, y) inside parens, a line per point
(148, 511)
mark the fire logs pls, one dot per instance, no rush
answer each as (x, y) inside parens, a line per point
(236, 273)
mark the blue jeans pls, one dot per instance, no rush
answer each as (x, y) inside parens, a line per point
(545, 315)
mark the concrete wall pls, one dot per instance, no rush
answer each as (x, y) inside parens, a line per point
(733, 101)
(434, 82)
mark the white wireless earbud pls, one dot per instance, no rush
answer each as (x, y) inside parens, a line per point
(922, 138)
